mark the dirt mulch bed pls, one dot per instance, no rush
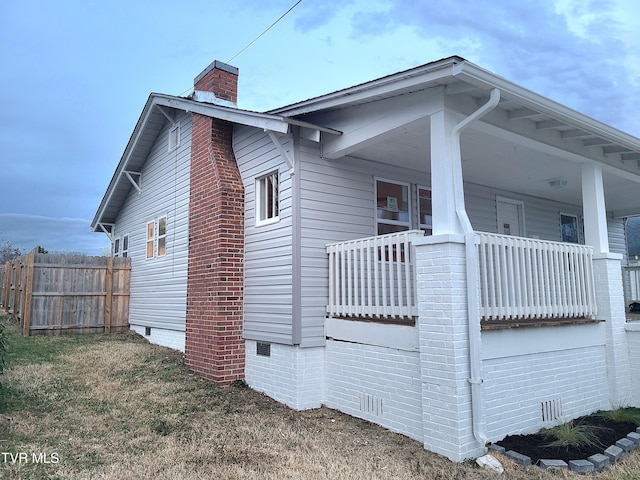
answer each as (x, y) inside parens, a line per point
(533, 446)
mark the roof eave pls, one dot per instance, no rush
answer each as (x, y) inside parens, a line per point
(478, 76)
(265, 121)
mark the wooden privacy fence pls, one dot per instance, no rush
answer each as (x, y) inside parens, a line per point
(51, 293)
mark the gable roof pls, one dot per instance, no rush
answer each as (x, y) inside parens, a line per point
(158, 109)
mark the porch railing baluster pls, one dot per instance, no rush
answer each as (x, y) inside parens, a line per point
(373, 277)
(530, 278)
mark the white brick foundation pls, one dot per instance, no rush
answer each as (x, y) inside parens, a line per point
(539, 377)
(160, 336)
(377, 383)
(291, 375)
(633, 342)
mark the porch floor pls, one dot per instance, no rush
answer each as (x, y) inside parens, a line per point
(536, 322)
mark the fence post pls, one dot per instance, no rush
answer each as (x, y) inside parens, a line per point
(29, 265)
(108, 297)
(17, 290)
(6, 288)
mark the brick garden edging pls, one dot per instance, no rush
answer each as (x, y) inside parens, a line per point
(595, 463)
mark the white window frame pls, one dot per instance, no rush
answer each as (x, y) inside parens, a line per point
(579, 230)
(267, 204)
(115, 247)
(125, 245)
(161, 238)
(410, 213)
(155, 240)
(150, 241)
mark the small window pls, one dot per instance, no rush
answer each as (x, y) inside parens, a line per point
(569, 228)
(125, 246)
(425, 210)
(151, 234)
(392, 207)
(116, 247)
(174, 137)
(267, 200)
(162, 236)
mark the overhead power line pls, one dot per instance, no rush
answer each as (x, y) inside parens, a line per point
(257, 38)
(265, 31)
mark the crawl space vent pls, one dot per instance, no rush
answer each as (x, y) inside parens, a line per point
(551, 410)
(371, 404)
(263, 349)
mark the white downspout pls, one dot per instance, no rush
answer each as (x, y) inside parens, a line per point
(473, 306)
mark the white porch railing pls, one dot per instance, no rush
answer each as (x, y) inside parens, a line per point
(525, 278)
(373, 277)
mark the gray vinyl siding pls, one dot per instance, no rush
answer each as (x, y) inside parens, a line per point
(159, 285)
(541, 216)
(337, 204)
(268, 311)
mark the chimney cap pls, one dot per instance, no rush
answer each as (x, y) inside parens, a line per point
(220, 66)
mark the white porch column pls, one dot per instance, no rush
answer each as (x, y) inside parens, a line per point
(443, 332)
(607, 272)
(445, 162)
(607, 269)
(593, 208)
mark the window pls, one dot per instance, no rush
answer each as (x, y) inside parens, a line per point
(424, 210)
(267, 201)
(156, 238)
(151, 235)
(116, 247)
(569, 228)
(162, 236)
(125, 246)
(392, 207)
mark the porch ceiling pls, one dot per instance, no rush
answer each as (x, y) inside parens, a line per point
(507, 160)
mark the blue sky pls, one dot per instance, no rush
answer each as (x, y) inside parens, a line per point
(76, 74)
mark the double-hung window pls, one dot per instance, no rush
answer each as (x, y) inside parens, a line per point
(267, 199)
(125, 246)
(162, 236)
(151, 238)
(392, 207)
(120, 246)
(156, 237)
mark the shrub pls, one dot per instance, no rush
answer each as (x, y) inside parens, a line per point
(571, 434)
(622, 415)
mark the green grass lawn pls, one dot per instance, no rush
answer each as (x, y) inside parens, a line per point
(115, 407)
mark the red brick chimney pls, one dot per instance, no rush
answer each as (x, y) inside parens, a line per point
(220, 79)
(214, 345)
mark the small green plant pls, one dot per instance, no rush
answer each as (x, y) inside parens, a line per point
(571, 434)
(622, 415)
